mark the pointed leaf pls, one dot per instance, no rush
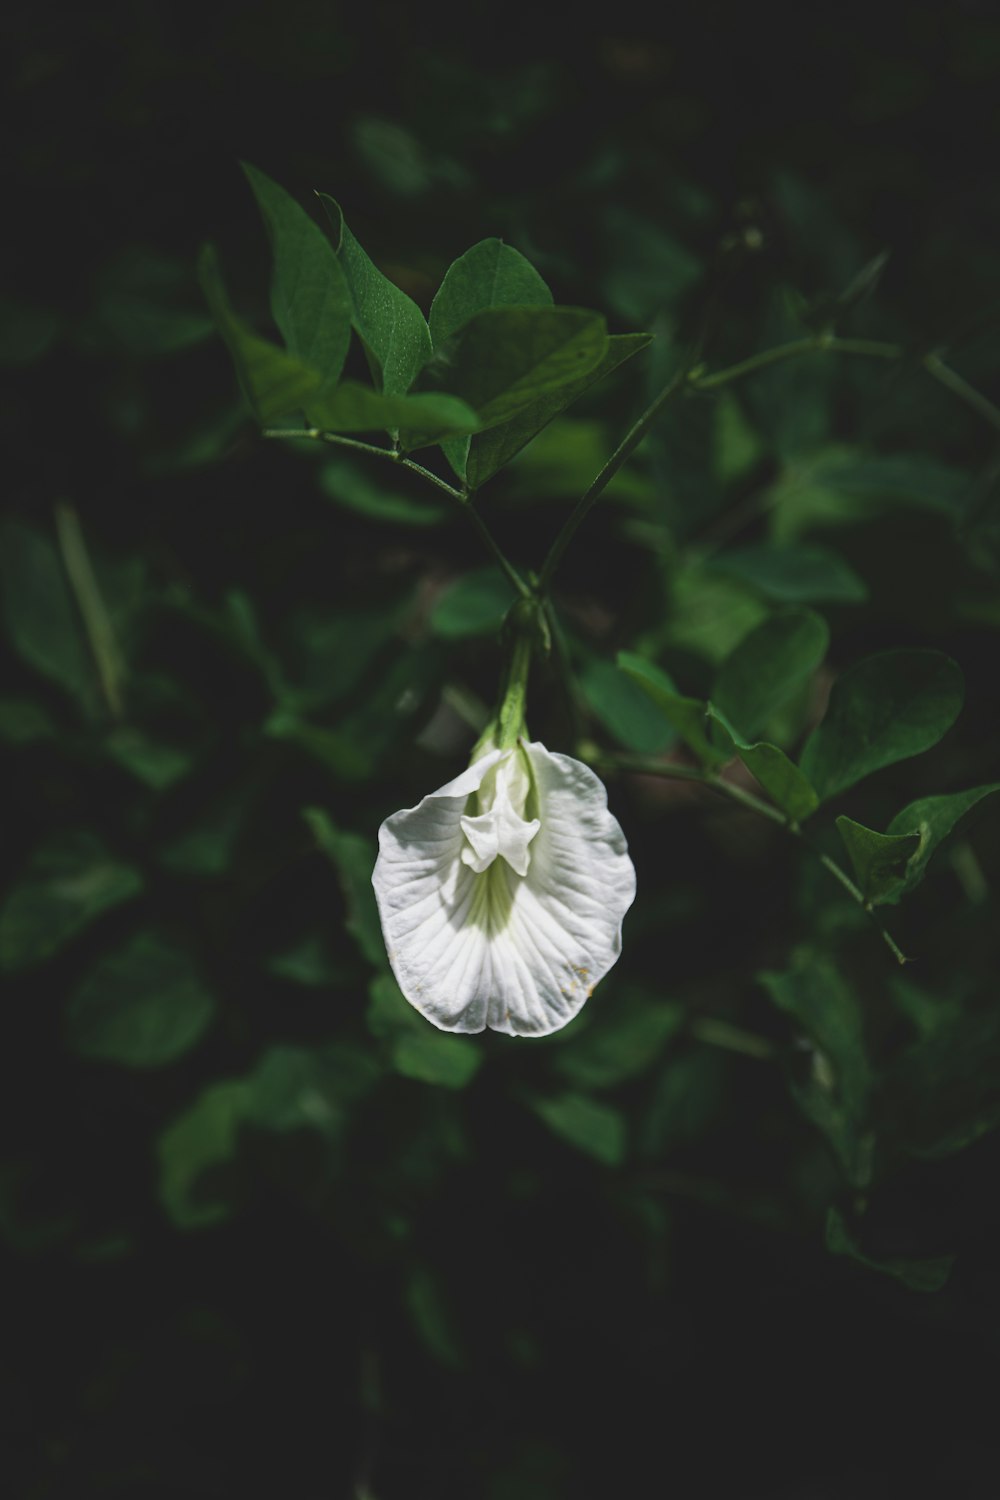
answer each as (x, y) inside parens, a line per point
(625, 708)
(687, 715)
(193, 1149)
(879, 859)
(924, 1275)
(793, 574)
(595, 1129)
(491, 274)
(780, 778)
(42, 621)
(883, 709)
(357, 408)
(310, 298)
(768, 667)
(353, 859)
(390, 323)
(932, 819)
(143, 1006)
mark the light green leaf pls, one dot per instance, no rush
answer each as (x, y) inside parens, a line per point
(390, 323)
(357, 408)
(768, 667)
(491, 274)
(924, 1275)
(40, 615)
(793, 574)
(310, 298)
(506, 358)
(595, 1129)
(354, 859)
(473, 605)
(274, 383)
(884, 709)
(780, 778)
(143, 1006)
(932, 820)
(417, 1049)
(68, 884)
(490, 451)
(879, 859)
(687, 715)
(624, 707)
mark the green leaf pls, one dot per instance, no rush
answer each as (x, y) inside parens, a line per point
(834, 1094)
(884, 709)
(490, 451)
(153, 763)
(195, 1149)
(595, 1129)
(627, 1038)
(768, 667)
(780, 778)
(506, 358)
(879, 859)
(310, 297)
(710, 614)
(274, 383)
(432, 1317)
(491, 274)
(354, 860)
(357, 408)
(932, 820)
(923, 1275)
(625, 708)
(143, 1006)
(350, 485)
(390, 323)
(69, 882)
(687, 715)
(309, 1088)
(943, 1093)
(473, 605)
(40, 614)
(793, 574)
(23, 722)
(417, 1049)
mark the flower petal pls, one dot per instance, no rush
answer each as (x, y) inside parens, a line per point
(517, 953)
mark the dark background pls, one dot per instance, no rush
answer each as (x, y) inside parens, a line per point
(448, 1299)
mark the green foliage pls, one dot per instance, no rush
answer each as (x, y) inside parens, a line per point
(794, 574)
(768, 667)
(353, 858)
(39, 613)
(931, 820)
(69, 882)
(927, 1275)
(473, 605)
(143, 1006)
(687, 716)
(415, 1049)
(596, 1129)
(878, 859)
(784, 783)
(491, 274)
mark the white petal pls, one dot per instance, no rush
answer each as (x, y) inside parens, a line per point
(517, 953)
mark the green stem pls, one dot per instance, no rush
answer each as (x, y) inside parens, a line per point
(96, 620)
(815, 344)
(719, 1033)
(650, 766)
(514, 702)
(962, 389)
(316, 434)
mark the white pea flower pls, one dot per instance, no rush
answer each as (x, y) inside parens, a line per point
(502, 895)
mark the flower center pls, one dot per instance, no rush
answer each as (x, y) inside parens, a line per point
(500, 827)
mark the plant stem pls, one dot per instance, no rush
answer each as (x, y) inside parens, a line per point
(316, 434)
(649, 766)
(962, 389)
(815, 344)
(96, 620)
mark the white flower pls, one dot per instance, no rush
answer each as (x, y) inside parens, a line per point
(502, 895)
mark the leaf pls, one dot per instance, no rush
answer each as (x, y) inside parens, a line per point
(40, 614)
(490, 451)
(491, 274)
(943, 1093)
(835, 1093)
(627, 1038)
(884, 709)
(687, 715)
(709, 614)
(24, 722)
(274, 383)
(416, 1048)
(925, 1275)
(203, 1140)
(143, 1006)
(432, 1317)
(624, 707)
(354, 860)
(356, 408)
(932, 819)
(309, 1088)
(780, 778)
(595, 1129)
(390, 323)
(473, 605)
(505, 358)
(879, 859)
(768, 667)
(793, 574)
(69, 882)
(348, 484)
(310, 297)
(155, 764)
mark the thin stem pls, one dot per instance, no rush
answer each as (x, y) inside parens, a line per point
(650, 766)
(815, 344)
(719, 1033)
(96, 620)
(962, 389)
(513, 577)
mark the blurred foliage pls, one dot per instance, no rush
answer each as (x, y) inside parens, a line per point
(266, 1228)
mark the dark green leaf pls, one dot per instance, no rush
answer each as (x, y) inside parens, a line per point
(354, 859)
(67, 885)
(353, 486)
(417, 1049)
(195, 1149)
(143, 1006)
(932, 820)
(625, 708)
(943, 1093)
(794, 575)
(356, 408)
(23, 722)
(155, 764)
(924, 1275)
(625, 1039)
(686, 715)
(780, 778)
(310, 298)
(883, 709)
(879, 859)
(26, 332)
(490, 451)
(473, 605)
(491, 274)
(595, 1129)
(312, 1088)
(40, 615)
(768, 667)
(390, 323)
(506, 358)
